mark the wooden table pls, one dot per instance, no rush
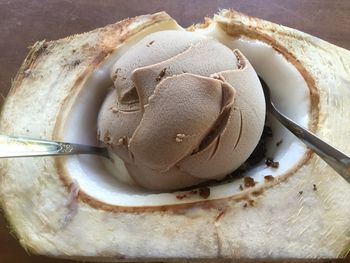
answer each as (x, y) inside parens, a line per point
(23, 22)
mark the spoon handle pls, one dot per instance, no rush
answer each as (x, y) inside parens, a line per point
(12, 146)
(339, 161)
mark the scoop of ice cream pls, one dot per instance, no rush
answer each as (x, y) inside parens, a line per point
(184, 108)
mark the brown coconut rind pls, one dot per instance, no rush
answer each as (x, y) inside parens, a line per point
(52, 217)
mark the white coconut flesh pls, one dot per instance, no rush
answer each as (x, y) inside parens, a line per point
(102, 217)
(110, 183)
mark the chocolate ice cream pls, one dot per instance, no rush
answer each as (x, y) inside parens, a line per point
(184, 109)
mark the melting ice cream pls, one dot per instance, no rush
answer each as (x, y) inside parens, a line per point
(184, 108)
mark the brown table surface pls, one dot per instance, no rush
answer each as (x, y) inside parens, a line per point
(23, 22)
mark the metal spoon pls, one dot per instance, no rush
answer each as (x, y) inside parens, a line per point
(339, 161)
(12, 146)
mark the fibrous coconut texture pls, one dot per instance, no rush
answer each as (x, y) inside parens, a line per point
(184, 108)
(289, 218)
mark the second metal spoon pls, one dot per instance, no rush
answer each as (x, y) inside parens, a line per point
(339, 161)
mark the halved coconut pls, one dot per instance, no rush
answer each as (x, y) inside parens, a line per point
(85, 208)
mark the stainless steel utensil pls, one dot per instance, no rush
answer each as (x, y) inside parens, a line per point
(12, 146)
(339, 161)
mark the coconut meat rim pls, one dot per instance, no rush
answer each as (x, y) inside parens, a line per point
(109, 183)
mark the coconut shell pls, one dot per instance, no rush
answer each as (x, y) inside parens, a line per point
(305, 214)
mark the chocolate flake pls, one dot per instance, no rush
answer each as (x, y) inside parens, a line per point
(300, 192)
(271, 163)
(269, 178)
(180, 197)
(204, 192)
(248, 181)
(314, 188)
(240, 187)
(161, 75)
(279, 142)
(245, 205)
